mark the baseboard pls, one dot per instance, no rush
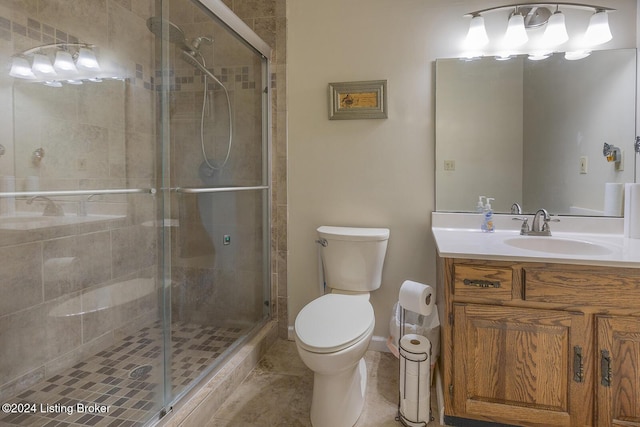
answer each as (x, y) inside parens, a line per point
(377, 343)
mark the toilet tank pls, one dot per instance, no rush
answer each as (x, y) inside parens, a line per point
(353, 257)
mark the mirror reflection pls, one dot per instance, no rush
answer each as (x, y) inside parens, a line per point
(534, 133)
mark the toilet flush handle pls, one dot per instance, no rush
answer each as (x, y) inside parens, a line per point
(323, 242)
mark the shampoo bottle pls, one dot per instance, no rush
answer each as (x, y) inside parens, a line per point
(487, 217)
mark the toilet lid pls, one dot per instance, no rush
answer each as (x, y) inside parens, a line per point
(333, 322)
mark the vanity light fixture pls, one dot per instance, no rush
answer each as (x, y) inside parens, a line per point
(598, 31)
(516, 34)
(556, 31)
(72, 63)
(533, 27)
(64, 62)
(477, 36)
(21, 69)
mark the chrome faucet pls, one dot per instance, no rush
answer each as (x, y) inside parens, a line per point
(516, 209)
(537, 228)
(51, 209)
(82, 205)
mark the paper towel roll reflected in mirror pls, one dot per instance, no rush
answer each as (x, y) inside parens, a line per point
(613, 199)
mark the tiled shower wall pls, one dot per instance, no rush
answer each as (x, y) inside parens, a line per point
(51, 270)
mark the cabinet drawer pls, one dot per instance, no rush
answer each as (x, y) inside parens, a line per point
(482, 282)
(615, 288)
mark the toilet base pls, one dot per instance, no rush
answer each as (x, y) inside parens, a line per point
(338, 399)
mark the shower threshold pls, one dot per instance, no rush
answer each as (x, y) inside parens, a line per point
(100, 391)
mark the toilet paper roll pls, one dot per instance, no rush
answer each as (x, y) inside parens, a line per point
(413, 386)
(415, 411)
(632, 211)
(414, 354)
(613, 199)
(417, 297)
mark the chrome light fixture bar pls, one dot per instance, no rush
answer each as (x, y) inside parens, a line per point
(525, 16)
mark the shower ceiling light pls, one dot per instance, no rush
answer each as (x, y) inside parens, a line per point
(528, 17)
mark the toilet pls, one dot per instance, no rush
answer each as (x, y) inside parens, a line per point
(332, 332)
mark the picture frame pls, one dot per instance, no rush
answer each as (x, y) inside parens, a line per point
(358, 100)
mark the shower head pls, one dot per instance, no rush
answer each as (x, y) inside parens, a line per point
(190, 58)
(173, 33)
(195, 43)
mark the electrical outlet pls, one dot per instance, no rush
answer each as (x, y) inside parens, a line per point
(449, 165)
(584, 164)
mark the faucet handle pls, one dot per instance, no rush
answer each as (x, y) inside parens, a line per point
(545, 225)
(524, 229)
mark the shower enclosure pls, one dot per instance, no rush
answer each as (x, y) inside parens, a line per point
(134, 204)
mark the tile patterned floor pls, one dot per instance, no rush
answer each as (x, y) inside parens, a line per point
(108, 381)
(278, 393)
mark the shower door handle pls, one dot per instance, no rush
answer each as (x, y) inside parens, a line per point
(198, 190)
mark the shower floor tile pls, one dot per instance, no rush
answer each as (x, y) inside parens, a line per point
(125, 380)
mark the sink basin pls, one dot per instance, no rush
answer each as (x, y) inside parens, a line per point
(557, 245)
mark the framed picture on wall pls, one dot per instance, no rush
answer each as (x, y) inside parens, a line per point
(358, 100)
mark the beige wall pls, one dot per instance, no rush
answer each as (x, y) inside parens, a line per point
(372, 172)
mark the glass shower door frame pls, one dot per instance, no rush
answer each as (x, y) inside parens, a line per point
(223, 15)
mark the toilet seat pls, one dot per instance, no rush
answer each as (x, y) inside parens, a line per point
(333, 322)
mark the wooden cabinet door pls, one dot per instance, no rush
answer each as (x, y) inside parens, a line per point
(618, 372)
(516, 366)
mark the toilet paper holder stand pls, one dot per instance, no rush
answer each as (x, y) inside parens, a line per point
(414, 357)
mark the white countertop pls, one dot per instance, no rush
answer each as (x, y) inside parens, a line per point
(458, 235)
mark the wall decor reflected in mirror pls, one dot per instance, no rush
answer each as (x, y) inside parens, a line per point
(533, 132)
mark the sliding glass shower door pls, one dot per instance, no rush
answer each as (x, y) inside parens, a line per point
(217, 194)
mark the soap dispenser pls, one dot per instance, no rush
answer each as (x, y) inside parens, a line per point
(480, 205)
(487, 217)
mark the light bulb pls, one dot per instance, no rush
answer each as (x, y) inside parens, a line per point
(21, 69)
(87, 60)
(516, 34)
(477, 35)
(598, 31)
(556, 32)
(42, 65)
(64, 62)
(53, 83)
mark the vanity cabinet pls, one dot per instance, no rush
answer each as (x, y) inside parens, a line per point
(533, 344)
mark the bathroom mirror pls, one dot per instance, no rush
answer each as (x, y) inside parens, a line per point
(533, 132)
(69, 133)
